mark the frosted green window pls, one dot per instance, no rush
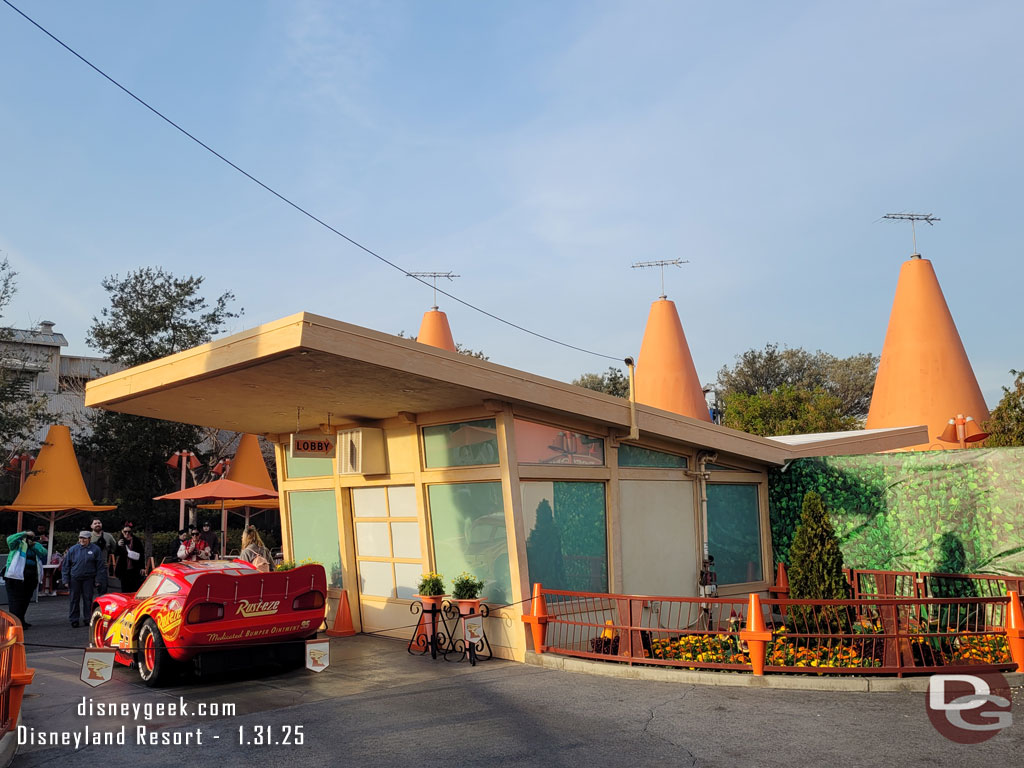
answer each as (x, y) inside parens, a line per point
(465, 444)
(566, 543)
(315, 531)
(468, 525)
(635, 456)
(734, 532)
(308, 467)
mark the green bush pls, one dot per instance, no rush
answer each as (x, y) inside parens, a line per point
(815, 560)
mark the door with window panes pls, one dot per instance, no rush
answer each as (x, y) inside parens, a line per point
(389, 557)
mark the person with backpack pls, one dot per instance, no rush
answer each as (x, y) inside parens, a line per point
(105, 544)
(254, 551)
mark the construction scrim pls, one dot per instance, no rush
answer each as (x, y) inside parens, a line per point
(946, 511)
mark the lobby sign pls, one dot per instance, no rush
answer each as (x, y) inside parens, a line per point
(312, 445)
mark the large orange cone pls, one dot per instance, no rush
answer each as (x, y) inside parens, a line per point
(1015, 630)
(342, 619)
(756, 635)
(434, 330)
(665, 375)
(924, 376)
(249, 468)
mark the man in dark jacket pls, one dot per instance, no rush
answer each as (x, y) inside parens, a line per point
(79, 569)
(129, 566)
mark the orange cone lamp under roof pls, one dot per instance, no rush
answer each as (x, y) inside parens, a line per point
(434, 330)
(924, 376)
(56, 484)
(665, 375)
(248, 468)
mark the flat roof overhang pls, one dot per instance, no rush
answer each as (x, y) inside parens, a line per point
(290, 374)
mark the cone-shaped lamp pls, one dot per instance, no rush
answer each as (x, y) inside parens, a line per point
(249, 468)
(924, 376)
(665, 375)
(434, 330)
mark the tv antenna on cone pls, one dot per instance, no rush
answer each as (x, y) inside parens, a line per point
(433, 277)
(913, 218)
(662, 263)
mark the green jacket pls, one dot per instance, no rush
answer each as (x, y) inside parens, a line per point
(16, 542)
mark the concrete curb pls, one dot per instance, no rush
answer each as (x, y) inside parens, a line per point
(740, 679)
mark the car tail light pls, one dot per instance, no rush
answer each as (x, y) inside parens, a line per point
(308, 601)
(201, 612)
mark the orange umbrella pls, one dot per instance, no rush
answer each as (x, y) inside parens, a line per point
(220, 490)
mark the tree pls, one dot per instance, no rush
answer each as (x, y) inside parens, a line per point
(612, 382)
(786, 411)
(21, 412)
(152, 314)
(815, 560)
(544, 558)
(1005, 427)
(849, 379)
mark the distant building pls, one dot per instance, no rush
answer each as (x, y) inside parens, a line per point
(60, 379)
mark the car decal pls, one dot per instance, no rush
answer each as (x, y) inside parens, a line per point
(169, 624)
(250, 610)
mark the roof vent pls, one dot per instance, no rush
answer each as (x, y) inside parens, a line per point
(46, 326)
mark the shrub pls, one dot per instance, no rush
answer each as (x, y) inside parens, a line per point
(815, 560)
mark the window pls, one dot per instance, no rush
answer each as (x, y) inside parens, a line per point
(167, 588)
(388, 552)
(307, 467)
(647, 458)
(468, 525)
(734, 532)
(566, 544)
(315, 530)
(149, 586)
(464, 444)
(541, 444)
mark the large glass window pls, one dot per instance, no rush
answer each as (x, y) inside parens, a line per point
(636, 456)
(566, 543)
(541, 444)
(315, 531)
(734, 532)
(388, 552)
(468, 525)
(465, 444)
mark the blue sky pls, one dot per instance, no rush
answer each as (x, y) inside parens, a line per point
(536, 149)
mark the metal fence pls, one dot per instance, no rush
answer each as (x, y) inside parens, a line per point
(870, 583)
(871, 635)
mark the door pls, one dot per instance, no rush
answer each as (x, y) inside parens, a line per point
(389, 558)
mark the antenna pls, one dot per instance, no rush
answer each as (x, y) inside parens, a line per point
(913, 218)
(663, 263)
(433, 277)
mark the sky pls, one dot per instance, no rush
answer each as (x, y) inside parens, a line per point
(537, 150)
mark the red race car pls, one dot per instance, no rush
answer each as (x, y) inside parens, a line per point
(185, 610)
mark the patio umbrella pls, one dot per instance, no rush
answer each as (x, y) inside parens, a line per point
(222, 490)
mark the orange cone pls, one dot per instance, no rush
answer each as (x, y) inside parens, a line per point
(538, 619)
(1015, 630)
(342, 619)
(756, 635)
(782, 579)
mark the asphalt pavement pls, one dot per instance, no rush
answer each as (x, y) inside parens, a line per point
(376, 705)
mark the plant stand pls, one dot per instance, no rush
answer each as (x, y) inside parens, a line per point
(463, 648)
(433, 631)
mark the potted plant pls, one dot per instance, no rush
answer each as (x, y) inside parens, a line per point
(466, 591)
(431, 590)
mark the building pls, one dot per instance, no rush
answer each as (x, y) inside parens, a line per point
(450, 463)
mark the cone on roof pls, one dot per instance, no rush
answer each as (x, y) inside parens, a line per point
(435, 331)
(248, 465)
(924, 376)
(665, 375)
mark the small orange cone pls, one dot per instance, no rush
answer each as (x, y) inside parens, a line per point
(342, 619)
(1015, 630)
(538, 619)
(756, 635)
(782, 579)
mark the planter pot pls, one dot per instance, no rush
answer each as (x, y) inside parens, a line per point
(468, 607)
(432, 601)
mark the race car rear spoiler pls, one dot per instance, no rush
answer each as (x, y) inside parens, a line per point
(255, 593)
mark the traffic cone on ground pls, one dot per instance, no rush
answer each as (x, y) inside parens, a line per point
(342, 619)
(782, 579)
(756, 635)
(1015, 630)
(538, 619)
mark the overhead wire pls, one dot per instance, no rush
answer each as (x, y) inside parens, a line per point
(290, 202)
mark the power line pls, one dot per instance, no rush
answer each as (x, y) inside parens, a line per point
(286, 200)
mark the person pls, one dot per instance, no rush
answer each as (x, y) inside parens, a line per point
(79, 569)
(41, 537)
(129, 566)
(210, 538)
(254, 551)
(105, 543)
(21, 588)
(193, 549)
(183, 537)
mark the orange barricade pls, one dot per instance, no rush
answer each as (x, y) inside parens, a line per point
(14, 674)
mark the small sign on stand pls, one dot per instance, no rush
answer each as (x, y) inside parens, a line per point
(97, 666)
(318, 655)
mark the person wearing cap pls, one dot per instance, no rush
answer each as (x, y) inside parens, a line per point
(20, 587)
(129, 566)
(79, 569)
(193, 548)
(105, 543)
(210, 539)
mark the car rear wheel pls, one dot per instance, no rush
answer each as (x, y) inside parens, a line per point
(154, 662)
(98, 629)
